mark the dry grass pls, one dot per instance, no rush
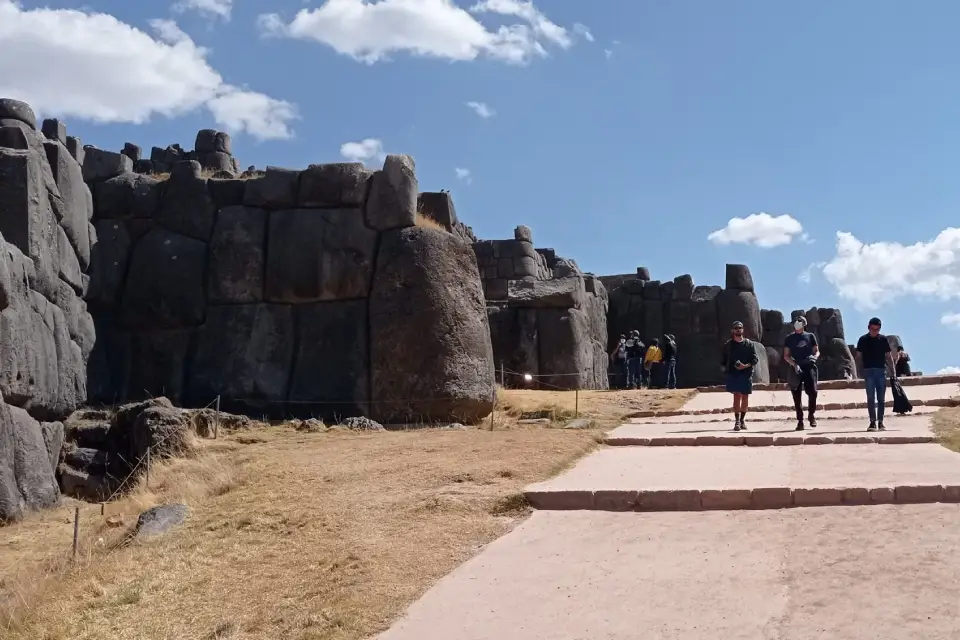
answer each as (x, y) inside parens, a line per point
(299, 535)
(423, 220)
(946, 426)
(606, 408)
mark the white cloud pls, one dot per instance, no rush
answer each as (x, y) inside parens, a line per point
(807, 273)
(948, 371)
(951, 320)
(371, 31)
(464, 174)
(582, 31)
(872, 274)
(207, 8)
(91, 66)
(365, 151)
(759, 229)
(482, 109)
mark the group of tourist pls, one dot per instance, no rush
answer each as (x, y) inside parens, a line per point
(640, 366)
(801, 352)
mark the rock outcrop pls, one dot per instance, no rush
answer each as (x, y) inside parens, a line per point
(547, 318)
(46, 332)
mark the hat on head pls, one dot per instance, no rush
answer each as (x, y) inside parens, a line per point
(635, 333)
(801, 319)
(737, 325)
(875, 321)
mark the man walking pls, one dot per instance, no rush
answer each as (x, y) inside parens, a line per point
(801, 351)
(738, 359)
(669, 349)
(876, 354)
(635, 351)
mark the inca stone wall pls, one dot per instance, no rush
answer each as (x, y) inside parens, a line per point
(700, 317)
(46, 333)
(547, 318)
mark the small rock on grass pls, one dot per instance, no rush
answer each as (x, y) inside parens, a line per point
(362, 424)
(580, 423)
(159, 520)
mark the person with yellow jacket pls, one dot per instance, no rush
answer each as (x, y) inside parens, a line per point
(651, 362)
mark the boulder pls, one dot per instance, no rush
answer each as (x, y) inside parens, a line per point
(16, 110)
(392, 203)
(359, 423)
(733, 305)
(315, 255)
(276, 189)
(761, 371)
(186, 206)
(27, 480)
(165, 431)
(76, 196)
(237, 256)
(683, 287)
(643, 273)
(128, 195)
(773, 364)
(158, 520)
(101, 165)
(558, 293)
(132, 151)
(449, 344)
(831, 325)
(334, 185)
(244, 353)
(331, 371)
(523, 233)
(739, 278)
(836, 360)
(165, 285)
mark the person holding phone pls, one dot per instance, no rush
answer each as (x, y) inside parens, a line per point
(738, 359)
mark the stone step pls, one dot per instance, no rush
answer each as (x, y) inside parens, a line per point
(910, 381)
(781, 432)
(695, 478)
(782, 400)
(784, 416)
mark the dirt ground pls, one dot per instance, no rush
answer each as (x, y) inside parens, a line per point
(946, 426)
(307, 536)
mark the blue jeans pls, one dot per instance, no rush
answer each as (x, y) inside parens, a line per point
(634, 369)
(876, 384)
(671, 373)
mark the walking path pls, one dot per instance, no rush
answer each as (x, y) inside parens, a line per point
(702, 547)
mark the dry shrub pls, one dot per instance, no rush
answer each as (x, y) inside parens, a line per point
(423, 220)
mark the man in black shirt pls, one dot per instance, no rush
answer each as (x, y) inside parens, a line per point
(669, 348)
(635, 351)
(738, 358)
(876, 355)
(801, 351)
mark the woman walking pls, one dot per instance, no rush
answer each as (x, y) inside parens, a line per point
(738, 359)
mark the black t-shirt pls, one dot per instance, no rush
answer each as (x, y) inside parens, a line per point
(635, 348)
(801, 345)
(873, 351)
(743, 351)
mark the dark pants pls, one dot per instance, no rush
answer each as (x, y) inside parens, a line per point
(804, 382)
(620, 374)
(634, 369)
(671, 366)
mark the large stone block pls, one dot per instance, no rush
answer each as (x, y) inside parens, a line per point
(652, 320)
(28, 221)
(17, 110)
(393, 195)
(128, 195)
(27, 480)
(559, 293)
(316, 255)
(102, 165)
(739, 278)
(186, 206)
(331, 371)
(79, 322)
(276, 189)
(237, 255)
(439, 207)
(243, 353)
(335, 185)
(448, 346)
(69, 265)
(705, 311)
(567, 362)
(212, 141)
(831, 325)
(108, 262)
(515, 339)
(683, 287)
(77, 200)
(165, 286)
(733, 305)
(54, 130)
(160, 358)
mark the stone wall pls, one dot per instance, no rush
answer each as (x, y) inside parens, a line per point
(700, 318)
(284, 292)
(547, 318)
(46, 333)
(213, 150)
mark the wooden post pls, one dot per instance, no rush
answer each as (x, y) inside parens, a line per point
(216, 421)
(148, 467)
(493, 406)
(102, 505)
(503, 380)
(76, 530)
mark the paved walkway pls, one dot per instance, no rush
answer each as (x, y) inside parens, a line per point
(719, 400)
(702, 547)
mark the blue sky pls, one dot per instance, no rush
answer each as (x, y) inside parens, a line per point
(623, 133)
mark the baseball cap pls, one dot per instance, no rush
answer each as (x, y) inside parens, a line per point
(737, 325)
(801, 319)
